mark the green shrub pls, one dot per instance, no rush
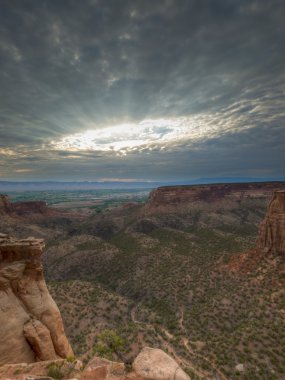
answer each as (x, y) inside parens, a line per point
(55, 371)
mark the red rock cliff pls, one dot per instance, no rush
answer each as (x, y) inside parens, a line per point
(31, 328)
(183, 198)
(271, 238)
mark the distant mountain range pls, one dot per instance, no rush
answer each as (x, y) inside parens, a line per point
(89, 185)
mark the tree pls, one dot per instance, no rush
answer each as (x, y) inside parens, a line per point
(109, 343)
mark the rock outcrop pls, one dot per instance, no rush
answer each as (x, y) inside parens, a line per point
(32, 210)
(151, 363)
(21, 208)
(270, 241)
(31, 326)
(103, 369)
(155, 364)
(271, 238)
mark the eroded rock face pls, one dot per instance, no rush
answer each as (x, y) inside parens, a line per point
(31, 327)
(271, 237)
(270, 241)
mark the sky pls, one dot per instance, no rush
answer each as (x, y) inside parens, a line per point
(142, 90)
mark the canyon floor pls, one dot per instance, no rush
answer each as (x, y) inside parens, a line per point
(167, 279)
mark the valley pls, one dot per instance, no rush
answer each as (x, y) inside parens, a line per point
(83, 201)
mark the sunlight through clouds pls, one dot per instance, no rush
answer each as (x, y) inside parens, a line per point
(131, 136)
(123, 136)
(149, 134)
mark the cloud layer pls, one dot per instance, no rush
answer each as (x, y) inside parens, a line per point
(141, 89)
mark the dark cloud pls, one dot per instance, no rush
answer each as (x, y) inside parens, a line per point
(69, 66)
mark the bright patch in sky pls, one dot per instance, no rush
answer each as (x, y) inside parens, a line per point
(147, 134)
(125, 137)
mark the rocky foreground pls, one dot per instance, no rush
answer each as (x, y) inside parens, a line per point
(151, 363)
(32, 331)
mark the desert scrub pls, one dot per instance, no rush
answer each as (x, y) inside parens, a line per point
(55, 371)
(108, 344)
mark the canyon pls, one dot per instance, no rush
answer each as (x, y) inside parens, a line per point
(197, 272)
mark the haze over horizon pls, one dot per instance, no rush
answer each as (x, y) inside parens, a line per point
(142, 91)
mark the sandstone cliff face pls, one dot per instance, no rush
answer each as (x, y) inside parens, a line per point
(31, 327)
(271, 238)
(183, 198)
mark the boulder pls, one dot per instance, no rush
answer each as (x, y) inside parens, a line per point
(155, 364)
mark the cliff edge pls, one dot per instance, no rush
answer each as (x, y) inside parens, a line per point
(31, 327)
(183, 199)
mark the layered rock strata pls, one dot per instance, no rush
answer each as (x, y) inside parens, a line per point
(184, 198)
(31, 327)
